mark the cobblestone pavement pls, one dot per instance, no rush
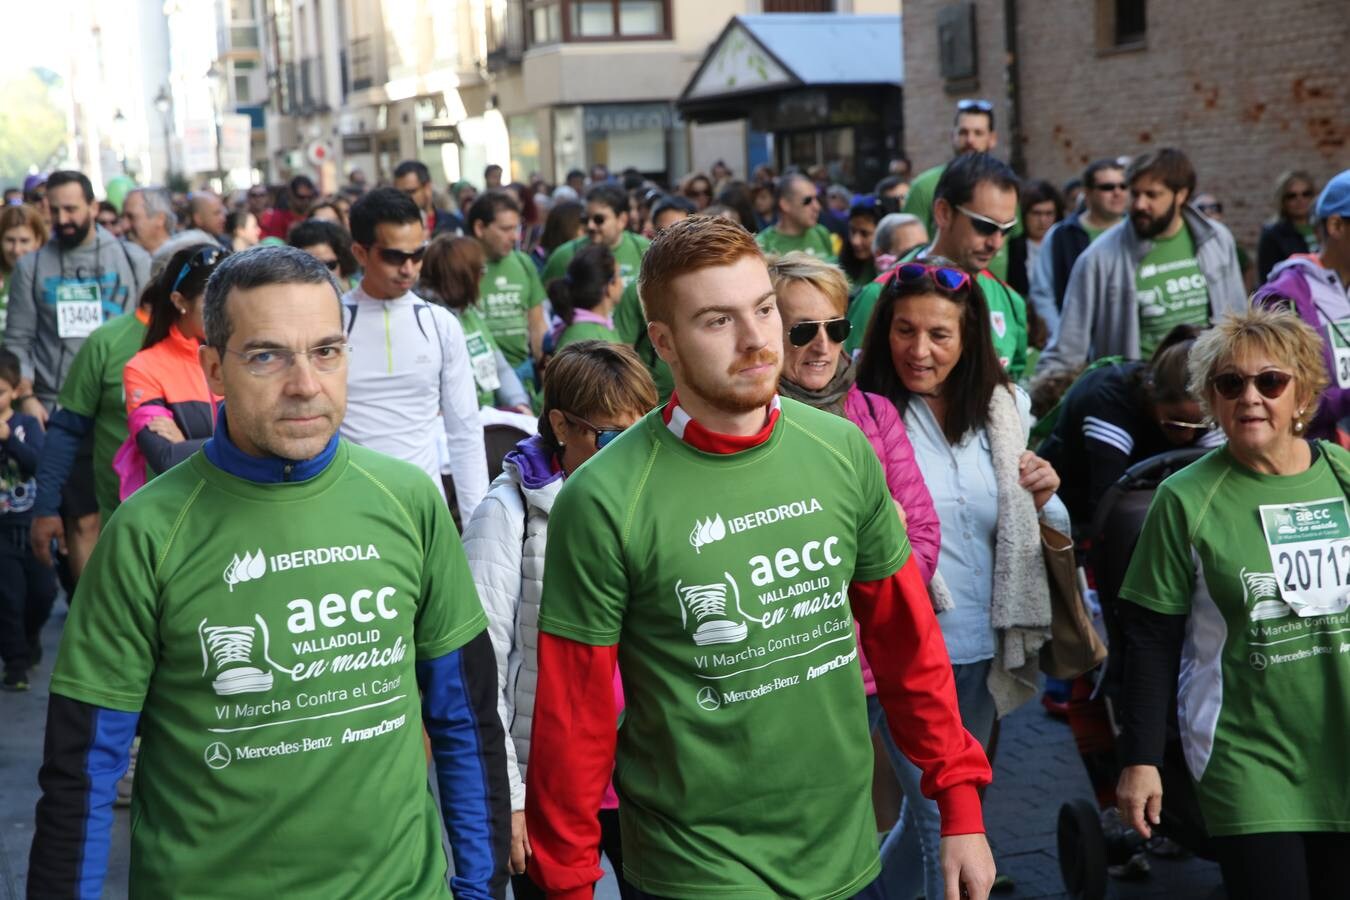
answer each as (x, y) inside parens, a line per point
(1037, 770)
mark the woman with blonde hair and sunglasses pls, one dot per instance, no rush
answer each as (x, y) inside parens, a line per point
(593, 390)
(1238, 599)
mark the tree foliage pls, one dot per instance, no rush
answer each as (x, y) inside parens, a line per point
(32, 125)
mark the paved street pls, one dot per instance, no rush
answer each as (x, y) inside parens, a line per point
(1037, 769)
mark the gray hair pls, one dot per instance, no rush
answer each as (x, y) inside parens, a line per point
(158, 202)
(254, 268)
(889, 224)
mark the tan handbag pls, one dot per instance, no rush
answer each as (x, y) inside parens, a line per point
(1075, 646)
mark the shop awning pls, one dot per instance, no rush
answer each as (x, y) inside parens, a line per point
(767, 54)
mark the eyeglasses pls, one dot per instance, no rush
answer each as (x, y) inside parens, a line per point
(1298, 195)
(803, 333)
(981, 105)
(698, 192)
(599, 219)
(813, 198)
(602, 435)
(306, 196)
(985, 226)
(1111, 187)
(1210, 208)
(258, 194)
(266, 362)
(1270, 384)
(1186, 426)
(332, 264)
(394, 257)
(944, 276)
(205, 258)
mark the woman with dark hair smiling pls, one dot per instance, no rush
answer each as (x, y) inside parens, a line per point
(930, 352)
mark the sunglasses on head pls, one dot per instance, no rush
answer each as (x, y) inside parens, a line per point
(985, 226)
(1270, 384)
(207, 257)
(981, 105)
(602, 435)
(803, 333)
(398, 257)
(944, 276)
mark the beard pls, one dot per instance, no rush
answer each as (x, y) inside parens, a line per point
(721, 392)
(1147, 227)
(72, 236)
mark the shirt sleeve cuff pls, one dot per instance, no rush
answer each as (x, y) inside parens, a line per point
(961, 810)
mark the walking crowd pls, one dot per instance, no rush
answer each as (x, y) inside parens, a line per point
(636, 513)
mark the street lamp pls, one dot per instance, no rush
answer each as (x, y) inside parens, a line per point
(163, 103)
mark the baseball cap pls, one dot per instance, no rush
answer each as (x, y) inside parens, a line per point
(1335, 198)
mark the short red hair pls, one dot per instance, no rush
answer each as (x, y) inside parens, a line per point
(698, 242)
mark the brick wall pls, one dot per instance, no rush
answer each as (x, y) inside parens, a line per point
(1245, 88)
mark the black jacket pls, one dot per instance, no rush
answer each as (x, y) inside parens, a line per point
(1067, 243)
(1279, 241)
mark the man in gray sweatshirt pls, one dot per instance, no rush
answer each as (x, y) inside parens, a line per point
(79, 279)
(1166, 265)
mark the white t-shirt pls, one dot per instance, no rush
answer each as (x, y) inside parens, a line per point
(408, 381)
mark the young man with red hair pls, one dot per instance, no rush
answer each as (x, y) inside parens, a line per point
(714, 552)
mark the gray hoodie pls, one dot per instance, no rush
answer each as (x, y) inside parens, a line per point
(1101, 315)
(35, 326)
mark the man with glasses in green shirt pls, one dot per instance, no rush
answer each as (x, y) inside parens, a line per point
(798, 226)
(606, 223)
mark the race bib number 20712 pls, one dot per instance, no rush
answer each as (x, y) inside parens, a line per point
(1309, 546)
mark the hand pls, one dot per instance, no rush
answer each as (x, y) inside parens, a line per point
(46, 529)
(524, 409)
(904, 522)
(165, 428)
(967, 866)
(1038, 477)
(33, 407)
(1139, 798)
(521, 850)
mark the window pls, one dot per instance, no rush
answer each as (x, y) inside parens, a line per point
(798, 6)
(552, 21)
(1121, 25)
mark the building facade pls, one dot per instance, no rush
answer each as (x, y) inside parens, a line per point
(1246, 89)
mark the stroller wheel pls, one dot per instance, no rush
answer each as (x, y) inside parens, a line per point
(1082, 851)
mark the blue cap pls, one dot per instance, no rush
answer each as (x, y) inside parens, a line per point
(1335, 199)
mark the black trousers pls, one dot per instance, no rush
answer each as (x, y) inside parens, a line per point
(27, 591)
(1284, 865)
(525, 889)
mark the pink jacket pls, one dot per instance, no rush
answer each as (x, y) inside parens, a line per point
(880, 422)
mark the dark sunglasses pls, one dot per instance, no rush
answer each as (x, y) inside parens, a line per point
(602, 435)
(332, 264)
(985, 226)
(1270, 384)
(1210, 208)
(205, 258)
(1111, 186)
(300, 196)
(807, 201)
(943, 276)
(398, 257)
(1293, 195)
(599, 219)
(803, 333)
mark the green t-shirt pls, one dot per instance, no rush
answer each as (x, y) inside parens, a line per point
(586, 331)
(1309, 236)
(1262, 693)
(93, 388)
(1007, 319)
(816, 241)
(628, 255)
(919, 203)
(723, 579)
(1170, 289)
(267, 635)
(631, 326)
(482, 353)
(509, 290)
(1092, 233)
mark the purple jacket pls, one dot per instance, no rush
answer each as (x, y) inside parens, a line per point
(880, 422)
(1316, 292)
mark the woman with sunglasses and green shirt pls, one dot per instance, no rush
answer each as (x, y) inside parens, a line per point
(1238, 601)
(594, 390)
(1117, 415)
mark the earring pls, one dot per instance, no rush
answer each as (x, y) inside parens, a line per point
(1298, 422)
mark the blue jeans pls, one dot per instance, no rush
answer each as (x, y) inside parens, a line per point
(912, 846)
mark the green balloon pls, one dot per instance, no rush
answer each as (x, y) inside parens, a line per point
(117, 190)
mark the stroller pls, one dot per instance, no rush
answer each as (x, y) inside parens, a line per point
(1085, 850)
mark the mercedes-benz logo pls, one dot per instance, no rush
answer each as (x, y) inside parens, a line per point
(708, 699)
(217, 755)
(1258, 661)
